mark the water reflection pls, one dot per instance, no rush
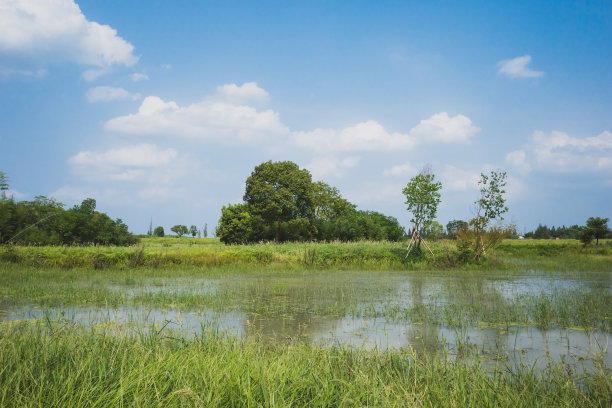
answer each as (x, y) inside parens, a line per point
(353, 309)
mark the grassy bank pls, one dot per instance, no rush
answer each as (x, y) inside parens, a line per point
(43, 364)
(170, 251)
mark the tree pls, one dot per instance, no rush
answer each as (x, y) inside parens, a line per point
(597, 228)
(279, 192)
(422, 199)
(435, 231)
(179, 230)
(159, 231)
(328, 202)
(205, 231)
(492, 204)
(3, 183)
(193, 230)
(237, 225)
(489, 207)
(455, 226)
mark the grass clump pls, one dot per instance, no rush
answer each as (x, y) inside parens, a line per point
(44, 364)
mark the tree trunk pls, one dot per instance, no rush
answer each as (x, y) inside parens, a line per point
(278, 231)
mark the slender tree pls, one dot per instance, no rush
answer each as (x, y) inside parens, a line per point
(422, 200)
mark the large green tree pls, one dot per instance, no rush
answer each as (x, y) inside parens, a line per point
(422, 200)
(279, 192)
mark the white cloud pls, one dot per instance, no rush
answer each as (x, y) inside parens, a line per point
(107, 93)
(139, 76)
(445, 129)
(53, 31)
(400, 170)
(370, 135)
(331, 166)
(518, 160)
(517, 68)
(207, 119)
(454, 179)
(246, 92)
(144, 155)
(557, 151)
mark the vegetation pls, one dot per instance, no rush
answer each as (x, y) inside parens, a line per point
(179, 230)
(480, 236)
(68, 366)
(159, 231)
(422, 198)
(45, 222)
(283, 204)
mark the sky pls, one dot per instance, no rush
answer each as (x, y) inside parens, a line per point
(160, 110)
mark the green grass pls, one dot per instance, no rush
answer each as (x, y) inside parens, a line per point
(43, 364)
(565, 255)
(65, 363)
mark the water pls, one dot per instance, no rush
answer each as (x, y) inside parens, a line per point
(352, 309)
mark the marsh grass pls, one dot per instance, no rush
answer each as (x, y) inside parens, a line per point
(477, 298)
(46, 364)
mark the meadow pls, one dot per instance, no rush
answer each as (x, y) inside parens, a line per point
(191, 322)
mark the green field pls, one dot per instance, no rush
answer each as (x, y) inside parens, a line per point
(191, 322)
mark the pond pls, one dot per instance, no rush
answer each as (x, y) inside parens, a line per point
(527, 319)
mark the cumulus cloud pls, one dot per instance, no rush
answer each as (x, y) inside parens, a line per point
(247, 92)
(54, 31)
(330, 165)
(400, 170)
(557, 151)
(126, 163)
(517, 68)
(108, 93)
(139, 76)
(518, 160)
(371, 135)
(207, 119)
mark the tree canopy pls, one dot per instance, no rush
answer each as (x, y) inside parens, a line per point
(422, 198)
(282, 203)
(279, 192)
(44, 221)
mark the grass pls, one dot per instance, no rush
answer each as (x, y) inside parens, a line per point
(566, 255)
(477, 297)
(42, 364)
(288, 288)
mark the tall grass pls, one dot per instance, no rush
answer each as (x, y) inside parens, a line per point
(171, 252)
(44, 364)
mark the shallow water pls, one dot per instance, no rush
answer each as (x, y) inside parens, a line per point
(351, 309)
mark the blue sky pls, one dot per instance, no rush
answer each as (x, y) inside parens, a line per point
(162, 109)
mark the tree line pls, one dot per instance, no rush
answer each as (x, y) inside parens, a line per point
(596, 228)
(44, 221)
(282, 203)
